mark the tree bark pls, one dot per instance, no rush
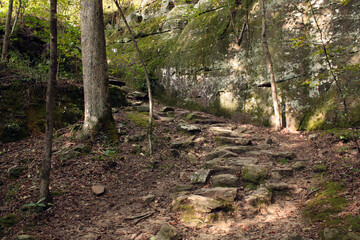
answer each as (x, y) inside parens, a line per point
(98, 115)
(146, 76)
(278, 120)
(50, 98)
(7, 31)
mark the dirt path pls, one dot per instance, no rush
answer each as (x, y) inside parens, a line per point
(256, 180)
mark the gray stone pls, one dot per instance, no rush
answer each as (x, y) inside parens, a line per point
(98, 189)
(166, 119)
(137, 137)
(225, 180)
(220, 153)
(238, 149)
(136, 95)
(196, 203)
(224, 132)
(351, 236)
(24, 237)
(241, 161)
(227, 194)
(196, 116)
(254, 173)
(260, 196)
(280, 155)
(200, 177)
(181, 144)
(233, 140)
(190, 128)
(298, 165)
(167, 232)
(331, 233)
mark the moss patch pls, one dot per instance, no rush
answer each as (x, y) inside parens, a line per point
(326, 204)
(140, 119)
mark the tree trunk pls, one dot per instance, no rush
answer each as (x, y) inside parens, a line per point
(98, 115)
(7, 31)
(50, 98)
(16, 18)
(146, 76)
(278, 120)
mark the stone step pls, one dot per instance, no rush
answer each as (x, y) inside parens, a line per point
(233, 141)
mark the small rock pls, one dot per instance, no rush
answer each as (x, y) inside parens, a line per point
(238, 149)
(260, 196)
(196, 203)
(269, 141)
(200, 177)
(320, 168)
(298, 165)
(82, 148)
(166, 119)
(167, 232)
(294, 237)
(224, 132)
(98, 189)
(192, 158)
(331, 233)
(225, 180)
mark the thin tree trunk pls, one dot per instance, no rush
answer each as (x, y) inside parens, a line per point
(50, 98)
(146, 76)
(17, 17)
(7, 32)
(98, 114)
(278, 121)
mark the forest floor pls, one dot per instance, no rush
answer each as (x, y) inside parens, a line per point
(139, 188)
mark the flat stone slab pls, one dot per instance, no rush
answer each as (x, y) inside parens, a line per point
(227, 194)
(182, 144)
(167, 232)
(280, 155)
(233, 140)
(220, 153)
(190, 128)
(238, 149)
(231, 164)
(225, 180)
(283, 171)
(197, 203)
(224, 132)
(200, 177)
(167, 109)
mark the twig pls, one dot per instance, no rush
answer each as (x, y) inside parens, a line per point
(139, 217)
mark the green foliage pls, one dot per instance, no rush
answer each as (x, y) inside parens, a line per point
(140, 119)
(38, 206)
(344, 134)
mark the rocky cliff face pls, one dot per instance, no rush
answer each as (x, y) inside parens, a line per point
(192, 52)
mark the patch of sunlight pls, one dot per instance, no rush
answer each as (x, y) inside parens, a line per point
(228, 101)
